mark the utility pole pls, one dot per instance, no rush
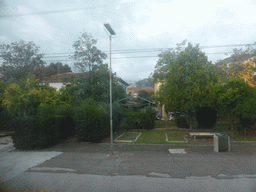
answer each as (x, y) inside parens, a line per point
(110, 33)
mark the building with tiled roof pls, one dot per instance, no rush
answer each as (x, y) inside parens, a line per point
(57, 80)
(136, 90)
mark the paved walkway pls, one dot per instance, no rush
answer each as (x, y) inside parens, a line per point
(71, 164)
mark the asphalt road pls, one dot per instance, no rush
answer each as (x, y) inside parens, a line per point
(90, 167)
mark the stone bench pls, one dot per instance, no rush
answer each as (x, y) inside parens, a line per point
(202, 134)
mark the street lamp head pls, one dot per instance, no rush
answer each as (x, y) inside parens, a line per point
(110, 30)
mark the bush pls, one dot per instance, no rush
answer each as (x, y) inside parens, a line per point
(65, 121)
(24, 132)
(182, 122)
(206, 117)
(48, 128)
(91, 121)
(117, 115)
(5, 117)
(248, 124)
(142, 119)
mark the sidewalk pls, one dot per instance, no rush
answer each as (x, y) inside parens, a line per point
(72, 145)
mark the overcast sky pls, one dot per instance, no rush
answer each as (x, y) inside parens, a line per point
(141, 26)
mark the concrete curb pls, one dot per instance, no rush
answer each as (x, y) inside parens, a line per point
(129, 141)
(166, 138)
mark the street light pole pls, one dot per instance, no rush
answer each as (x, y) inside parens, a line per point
(110, 33)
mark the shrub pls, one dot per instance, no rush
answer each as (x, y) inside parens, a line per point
(24, 132)
(91, 121)
(65, 121)
(5, 117)
(248, 124)
(182, 122)
(206, 117)
(117, 115)
(142, 119)
(48, 129)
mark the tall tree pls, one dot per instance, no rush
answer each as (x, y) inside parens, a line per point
(87, 56)
(189, 83)
(236, 99)
(19, 58)
(95, 85)
(52, 69)
(239, 65)
(165, 58)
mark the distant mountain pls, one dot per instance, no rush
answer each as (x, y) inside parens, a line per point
(145, 83)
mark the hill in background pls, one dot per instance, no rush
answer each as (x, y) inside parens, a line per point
(145, 83)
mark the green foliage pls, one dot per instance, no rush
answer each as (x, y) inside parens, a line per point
(248, 124)
(49, 126)
(182, 122)
(24, 129)
(236, 98)
(96, 86)
(165, 58)
(142, 119)
(65, 121)
(190, 82)
(91, 121)
(87, 56)
(5, 117)
(117, 115)
(206, 117)
(19, 58)
(52, 69)
(24, 97)
(146, 95)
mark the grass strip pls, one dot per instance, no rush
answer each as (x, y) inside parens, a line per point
(178, 136)
(164, 124)
(152, 137)
(129, 136)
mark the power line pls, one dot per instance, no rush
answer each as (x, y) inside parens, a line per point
(143, 56)
(158, 49)
(51, 12)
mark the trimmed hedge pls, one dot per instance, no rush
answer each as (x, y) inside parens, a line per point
(142, 119)
(92, 121)
(182, 122)
(117, 115)
(206, 117)
(247, 123)
(48, 127)
(5, 118)
(65, 121)
(24, 136)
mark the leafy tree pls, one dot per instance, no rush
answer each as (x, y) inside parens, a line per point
(87, 56)
(190, 82)
(25, 97)
(165, 58)
(146, 95)
(237, 64)
(95, 86)
(236, 99)
(19, 58)
(52, 69)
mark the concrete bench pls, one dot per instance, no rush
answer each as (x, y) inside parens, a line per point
(202, 134)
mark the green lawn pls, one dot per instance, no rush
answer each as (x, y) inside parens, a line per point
(164, 124)
(129, 136)
(176, 136)
(152, 137)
